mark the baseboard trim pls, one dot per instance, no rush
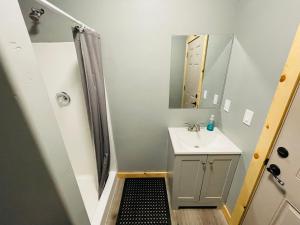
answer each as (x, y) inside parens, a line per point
(141, 174)
(226, 213)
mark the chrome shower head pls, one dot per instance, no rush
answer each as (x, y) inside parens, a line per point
(35, 14)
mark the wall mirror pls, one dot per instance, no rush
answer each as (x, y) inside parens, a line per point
(198, 70)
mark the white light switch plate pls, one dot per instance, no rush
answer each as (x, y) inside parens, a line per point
(204, 94)
(227, 105)
(248, 117)
(216, 97)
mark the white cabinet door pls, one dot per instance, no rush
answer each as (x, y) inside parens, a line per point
(189, 174)
(219, 173)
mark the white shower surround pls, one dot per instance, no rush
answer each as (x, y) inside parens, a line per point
(59, 68)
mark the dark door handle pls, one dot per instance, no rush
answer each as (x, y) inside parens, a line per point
(275, 171)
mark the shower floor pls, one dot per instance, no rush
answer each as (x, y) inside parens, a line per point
(178, 217)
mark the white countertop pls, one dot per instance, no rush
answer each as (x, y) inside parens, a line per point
(203, 142)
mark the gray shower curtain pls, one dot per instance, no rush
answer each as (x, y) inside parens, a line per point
(88, 50)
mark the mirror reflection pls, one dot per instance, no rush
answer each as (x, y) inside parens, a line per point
(198, 70)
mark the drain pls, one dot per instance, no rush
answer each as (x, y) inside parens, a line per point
(196, 146)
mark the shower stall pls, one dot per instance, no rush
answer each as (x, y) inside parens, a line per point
(71, 67)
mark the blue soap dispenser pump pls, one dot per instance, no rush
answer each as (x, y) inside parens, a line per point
(211, 123)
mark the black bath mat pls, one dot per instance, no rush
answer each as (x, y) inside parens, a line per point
(144, 201)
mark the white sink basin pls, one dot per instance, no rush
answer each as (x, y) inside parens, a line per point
(202, 142)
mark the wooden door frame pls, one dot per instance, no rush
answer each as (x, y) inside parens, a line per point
(283, 96)
(189, 39)
(202, 70)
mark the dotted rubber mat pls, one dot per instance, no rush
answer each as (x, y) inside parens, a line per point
(144, 202)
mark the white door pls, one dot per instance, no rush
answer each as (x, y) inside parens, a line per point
(193, 74)
(277, 200)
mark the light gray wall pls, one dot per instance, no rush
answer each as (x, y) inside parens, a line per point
(177, 70)
(264, 34)
(217, 60)
(136, 48)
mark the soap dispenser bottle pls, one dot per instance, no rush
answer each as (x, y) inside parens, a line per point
(211, 123)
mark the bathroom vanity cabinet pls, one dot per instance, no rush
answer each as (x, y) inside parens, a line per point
(200, 179)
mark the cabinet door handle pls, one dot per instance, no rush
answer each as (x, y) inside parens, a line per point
(211, 163)
(204, 165)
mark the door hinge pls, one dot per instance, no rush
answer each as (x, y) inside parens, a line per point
(266, 161)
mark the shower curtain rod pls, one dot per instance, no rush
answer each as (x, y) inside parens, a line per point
(57, 10)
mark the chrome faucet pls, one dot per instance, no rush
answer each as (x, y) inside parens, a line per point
(193, 127)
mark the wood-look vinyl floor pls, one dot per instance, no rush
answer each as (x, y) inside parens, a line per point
(178, 217)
